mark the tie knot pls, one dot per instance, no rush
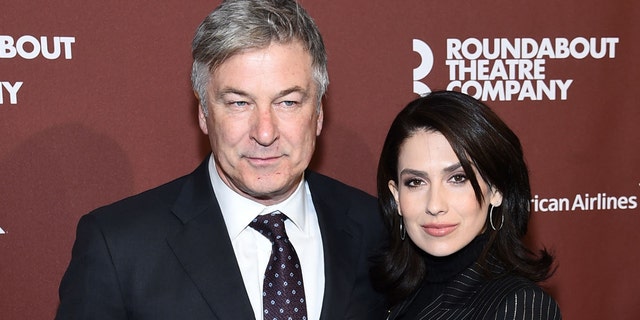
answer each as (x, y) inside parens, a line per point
(271, 226)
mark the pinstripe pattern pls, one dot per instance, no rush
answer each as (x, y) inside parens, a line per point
(471, 296)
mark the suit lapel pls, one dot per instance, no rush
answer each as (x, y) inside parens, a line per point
(205, 251)
(340, 238)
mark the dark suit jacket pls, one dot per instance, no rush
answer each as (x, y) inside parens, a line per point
(166, 254)
(472, 296)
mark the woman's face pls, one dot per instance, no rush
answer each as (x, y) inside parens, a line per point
(435, 199)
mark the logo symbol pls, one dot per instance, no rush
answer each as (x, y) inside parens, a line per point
(426, 64)
(2, 231)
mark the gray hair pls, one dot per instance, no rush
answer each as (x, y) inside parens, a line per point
(238, 25)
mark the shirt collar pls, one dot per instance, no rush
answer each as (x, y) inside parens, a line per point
(239, 211)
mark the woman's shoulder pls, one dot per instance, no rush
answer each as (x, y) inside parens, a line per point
(515, 297)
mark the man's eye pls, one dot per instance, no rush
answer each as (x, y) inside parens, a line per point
(289, 103)
(239, 103)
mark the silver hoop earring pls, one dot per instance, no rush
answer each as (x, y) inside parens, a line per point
(403, 232)
(491, 219)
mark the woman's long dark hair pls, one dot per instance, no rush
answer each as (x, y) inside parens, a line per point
(481, 139)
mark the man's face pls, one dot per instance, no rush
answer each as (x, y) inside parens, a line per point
(263, 120)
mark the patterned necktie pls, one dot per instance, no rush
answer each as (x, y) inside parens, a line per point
(283, 291)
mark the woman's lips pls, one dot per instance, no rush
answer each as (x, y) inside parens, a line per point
(439, 230)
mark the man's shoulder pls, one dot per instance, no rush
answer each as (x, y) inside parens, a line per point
(149, 209)
(331, 187)
(156, 196)
(160, 197)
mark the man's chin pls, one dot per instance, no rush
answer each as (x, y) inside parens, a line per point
(270, 192)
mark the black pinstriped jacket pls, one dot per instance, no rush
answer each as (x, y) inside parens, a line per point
(472, 296)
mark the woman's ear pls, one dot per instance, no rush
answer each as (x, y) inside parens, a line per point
(394, 191)
(496, 197)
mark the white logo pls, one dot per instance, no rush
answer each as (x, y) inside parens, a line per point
(29, 47)
(2, 231)
(11, 91)
(584, 202)
(426, 64)
(509, 69)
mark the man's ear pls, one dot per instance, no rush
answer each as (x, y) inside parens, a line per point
(319, 121)
(202, 120)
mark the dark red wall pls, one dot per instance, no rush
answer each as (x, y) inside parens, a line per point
(113, 114)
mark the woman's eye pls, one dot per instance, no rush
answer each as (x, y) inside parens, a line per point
(412, 183)
(459, 178)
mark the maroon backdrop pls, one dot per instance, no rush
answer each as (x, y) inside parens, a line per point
(95, 105)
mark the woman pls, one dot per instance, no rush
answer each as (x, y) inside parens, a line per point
(454, 191)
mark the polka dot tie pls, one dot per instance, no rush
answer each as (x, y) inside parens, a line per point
(283, 291)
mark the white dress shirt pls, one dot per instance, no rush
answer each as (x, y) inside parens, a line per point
(253, 250)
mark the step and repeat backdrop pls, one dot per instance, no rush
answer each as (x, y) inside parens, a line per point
(96, 105)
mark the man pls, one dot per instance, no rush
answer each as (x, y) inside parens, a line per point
(193, 248)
